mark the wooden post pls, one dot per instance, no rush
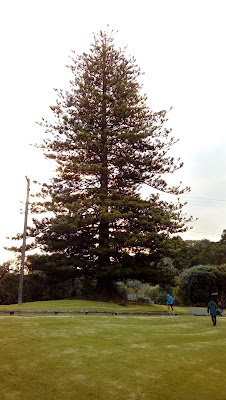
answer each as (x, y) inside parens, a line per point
(21, 280)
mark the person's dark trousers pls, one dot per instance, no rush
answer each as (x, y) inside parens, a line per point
(214, 319)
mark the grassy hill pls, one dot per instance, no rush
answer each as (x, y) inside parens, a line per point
(84, 305)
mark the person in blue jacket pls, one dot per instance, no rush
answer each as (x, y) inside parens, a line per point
(169, 301)
(212, 309)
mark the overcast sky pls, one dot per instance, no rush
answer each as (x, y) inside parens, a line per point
(180, 45)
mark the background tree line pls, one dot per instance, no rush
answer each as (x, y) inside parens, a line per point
(197, 269)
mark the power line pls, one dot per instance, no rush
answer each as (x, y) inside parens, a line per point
(205, 205)
(203, 198)
(196, 201)
(206, 233)
(192, 197)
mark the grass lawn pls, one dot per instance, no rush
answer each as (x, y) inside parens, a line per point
(80, 357)
(83, 305)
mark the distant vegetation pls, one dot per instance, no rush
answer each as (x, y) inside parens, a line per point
(191, 276)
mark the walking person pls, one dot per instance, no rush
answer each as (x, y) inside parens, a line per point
(212, 309)
(169, 302)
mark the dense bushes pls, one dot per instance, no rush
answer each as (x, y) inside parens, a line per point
(193, 287)
(37, 287)
(179, 274)
(9, 288)
(199, 282)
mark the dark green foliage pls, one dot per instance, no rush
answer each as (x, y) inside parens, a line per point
(161, 298)
(222, 249)
(57, 281)
(9, 282)
(50, 267)
(189, 253)
(9, 288)
(202, 252)
(197, 284)
(221, 273)
(4, 269)
(35, 287)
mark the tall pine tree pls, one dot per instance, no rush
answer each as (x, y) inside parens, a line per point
(107, 144)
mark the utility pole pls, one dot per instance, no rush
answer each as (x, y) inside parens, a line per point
(20, 290)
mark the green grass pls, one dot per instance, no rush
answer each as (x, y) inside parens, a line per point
(83, 305)
(80, 357)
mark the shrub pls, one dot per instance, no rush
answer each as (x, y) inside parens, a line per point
(122, 289)
(143, 299)
(161, 297)
(153, 292)
(9, 288)
(197, 284)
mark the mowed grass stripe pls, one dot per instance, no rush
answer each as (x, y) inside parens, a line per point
(111, 357)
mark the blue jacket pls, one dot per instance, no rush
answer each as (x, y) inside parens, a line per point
(169, 300)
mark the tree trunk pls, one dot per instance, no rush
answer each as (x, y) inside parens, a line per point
(106, 291)
(104, 259)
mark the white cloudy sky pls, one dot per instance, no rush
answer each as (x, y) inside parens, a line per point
(180, 45)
